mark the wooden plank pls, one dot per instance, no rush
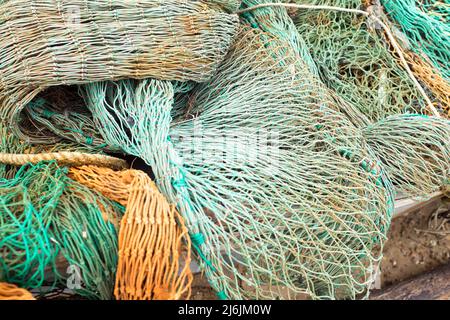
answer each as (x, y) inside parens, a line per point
(434, 285)
(405, 206)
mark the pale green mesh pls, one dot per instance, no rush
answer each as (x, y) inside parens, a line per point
(354, 61)
(282, 158)
(59, 114)
(305, 212)
(427, 26)
(276, 21)
(415, 150)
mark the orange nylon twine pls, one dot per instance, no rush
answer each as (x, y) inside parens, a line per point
(152, 239)
(13, 292)
(431, 77)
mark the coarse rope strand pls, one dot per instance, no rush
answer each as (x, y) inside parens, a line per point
(12, 292)
(394, 42)
(64, 158)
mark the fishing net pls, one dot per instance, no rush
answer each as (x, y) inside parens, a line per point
(341, 43)
(63, 219)
(275, 152)
(60, 114)
(257, 218)
(415, 150)
(183, 41)
(355, 62)
(12, 292)
(152, 240)
(46, 44)
(44, 214)
(426, 25)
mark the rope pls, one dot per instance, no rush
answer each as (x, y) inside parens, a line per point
(394, 42)
(64, 158)
(13, 292)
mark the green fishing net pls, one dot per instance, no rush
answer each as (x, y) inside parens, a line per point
(356, 64)
(415, 150)
(269, 220)
(282, 142)
(426, 23)
(49, 221)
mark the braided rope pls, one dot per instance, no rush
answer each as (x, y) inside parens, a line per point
(64, 158)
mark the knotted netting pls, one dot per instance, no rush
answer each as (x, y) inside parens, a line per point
(281, 164)
(415, 150)
(257, 218)
(50, 221)
(46, 216)
(355, 62)
(426, 23)
(341, 43)
(154, 247)
(47, 48)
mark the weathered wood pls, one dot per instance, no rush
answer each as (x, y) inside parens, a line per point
(405, 206)
(434, 285)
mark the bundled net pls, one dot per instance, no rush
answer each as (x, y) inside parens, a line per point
(275, 146)
(82, 42)
(48, 217)
(46, 44)
(45, 214)
(257, 218)
(341, 43)
(355, 62)
(415, 150)
(48, 220)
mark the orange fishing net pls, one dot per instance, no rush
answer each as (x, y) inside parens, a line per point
(432, 79)
(13, 292)
(154, 245)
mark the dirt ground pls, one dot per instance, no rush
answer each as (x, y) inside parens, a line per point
(418, 242)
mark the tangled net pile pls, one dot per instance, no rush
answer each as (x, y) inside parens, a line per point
(277, 135)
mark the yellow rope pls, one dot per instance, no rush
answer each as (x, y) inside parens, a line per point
(64, 158)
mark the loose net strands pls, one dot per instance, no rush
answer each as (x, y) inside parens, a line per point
(307, 213)
(43, 214)
(59, 113)
(276, 21)
(44, 45)
(426, 24)
(12, 292)
(154, 246)
(378, 88)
